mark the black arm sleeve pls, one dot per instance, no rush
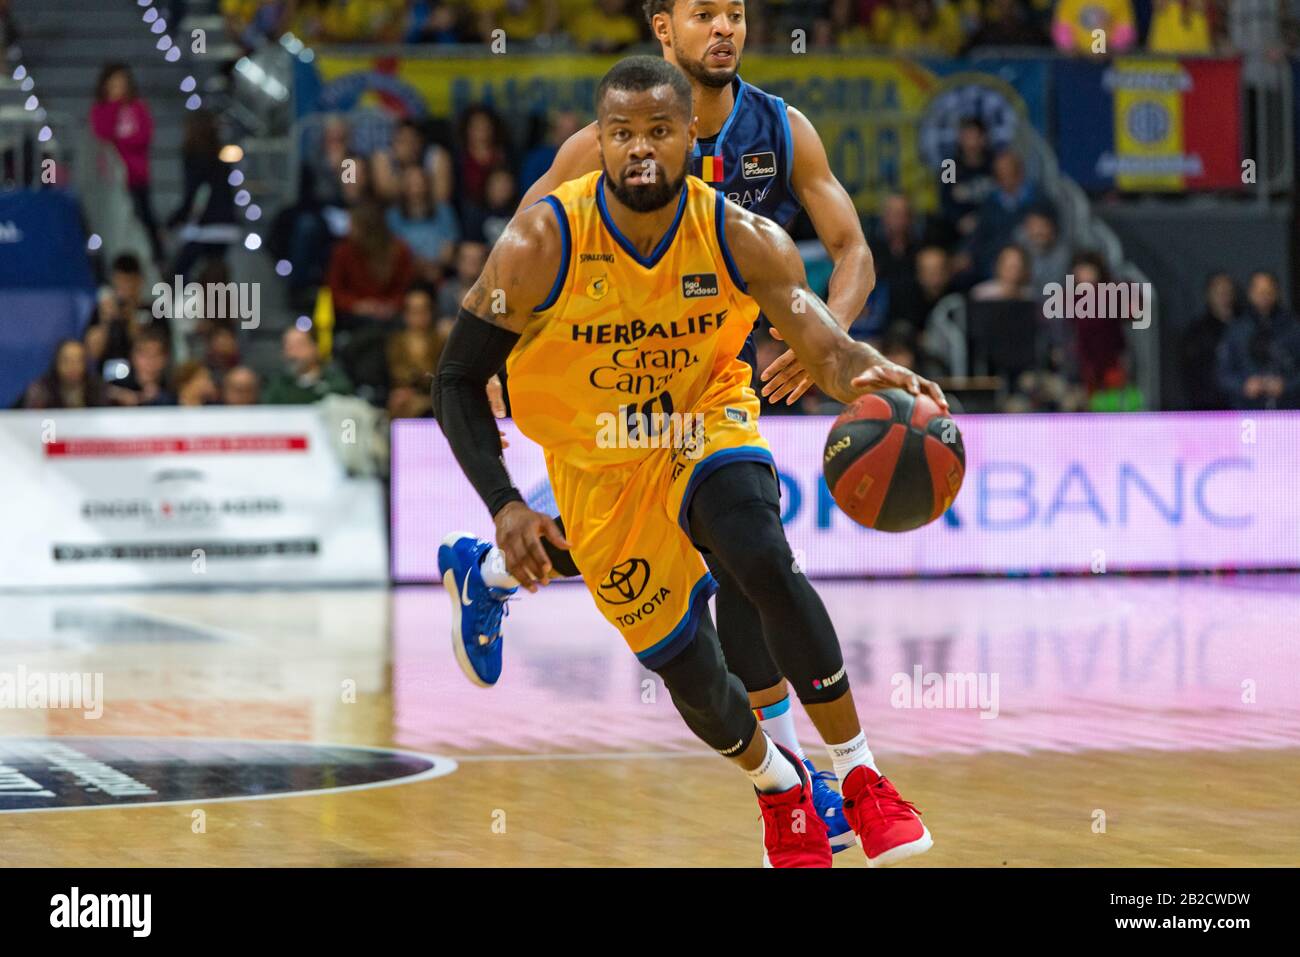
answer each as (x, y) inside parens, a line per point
(475, 352)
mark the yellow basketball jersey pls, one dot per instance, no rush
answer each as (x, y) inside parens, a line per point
(625, 348)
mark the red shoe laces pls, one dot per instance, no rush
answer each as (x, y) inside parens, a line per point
(889, 804)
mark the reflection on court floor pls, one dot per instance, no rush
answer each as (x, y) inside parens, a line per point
(958, 666)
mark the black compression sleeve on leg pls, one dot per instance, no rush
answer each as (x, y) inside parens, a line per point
(475, 352)
(736, 514)
(740, 632)
(708, 697)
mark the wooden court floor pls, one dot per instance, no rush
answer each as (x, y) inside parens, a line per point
(1134, 723)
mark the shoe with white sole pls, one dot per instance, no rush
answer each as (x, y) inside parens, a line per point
(888, 828)
(477, 608)
(830, 807)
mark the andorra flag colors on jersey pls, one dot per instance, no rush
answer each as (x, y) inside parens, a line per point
(1144, 124)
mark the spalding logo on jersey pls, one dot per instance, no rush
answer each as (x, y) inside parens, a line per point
(700, 285)
(758, 165)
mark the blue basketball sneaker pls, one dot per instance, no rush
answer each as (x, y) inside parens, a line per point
(476, 608)
(830, 806)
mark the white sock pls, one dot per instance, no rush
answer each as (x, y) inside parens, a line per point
(493, 569)
(774, 773)
(778, 721)
(851, 754)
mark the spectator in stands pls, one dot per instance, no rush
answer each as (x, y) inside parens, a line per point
(305, 378)
(369, 274)
(1001, 212)
(1099, 342)
(911, 302)
(208, 207)
(539, 159)
(362, 21)
(898, 239)
(119, 116)
(433, 21)
(220, 348)
(370, 270)
(605, 27)
(849, 23)
(482, 150)
(483, 224)
(1010, 280)
(1200, 345)
(321, 182)
(8, 29)
(1008, 23)
(1049, 254)
(332, 179)
(413, 353)
(1259, 357)
(429, 229)
(972, 179)
(145, 385)
(1094, 27)
(933, 279)
(522, 20)
(251, 23)
(470, 259)
(920, 27)
(194, 385)
(411, 151)
(122, 312)
(240, 386)
(69, 383)
(1180, 26)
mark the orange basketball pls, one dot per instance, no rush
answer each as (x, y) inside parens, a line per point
(894, 461)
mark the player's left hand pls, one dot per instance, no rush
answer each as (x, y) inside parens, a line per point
(890, 375)
(786, 377)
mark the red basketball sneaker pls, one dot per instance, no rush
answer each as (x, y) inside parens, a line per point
(794, 834)
(888, 828)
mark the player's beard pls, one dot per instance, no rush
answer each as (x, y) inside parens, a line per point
(649, 197)
(701, 74)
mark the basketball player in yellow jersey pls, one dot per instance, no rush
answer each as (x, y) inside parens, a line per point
(621, 302)
(767, 157)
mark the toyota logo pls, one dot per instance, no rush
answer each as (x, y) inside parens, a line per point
(625, 581)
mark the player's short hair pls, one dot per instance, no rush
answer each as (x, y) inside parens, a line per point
(126, 263)
(636, 74)
(651, 7)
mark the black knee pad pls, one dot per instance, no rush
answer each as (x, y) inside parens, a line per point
(709, 698)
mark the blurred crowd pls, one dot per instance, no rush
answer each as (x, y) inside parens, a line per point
(380, 244)
(916, 27)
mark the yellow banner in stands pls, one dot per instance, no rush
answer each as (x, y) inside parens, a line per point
(868, 110)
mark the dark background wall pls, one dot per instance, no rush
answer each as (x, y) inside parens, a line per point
(1179, 245)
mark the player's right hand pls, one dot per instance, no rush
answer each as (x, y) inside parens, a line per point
(890, 375)
(495, 398)
(519, 536)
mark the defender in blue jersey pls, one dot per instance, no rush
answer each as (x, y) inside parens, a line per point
(766, 157)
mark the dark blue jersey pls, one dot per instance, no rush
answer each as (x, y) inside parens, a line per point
(756, 155)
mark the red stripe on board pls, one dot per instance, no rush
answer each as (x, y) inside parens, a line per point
(1212, 122)
(179, 445)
